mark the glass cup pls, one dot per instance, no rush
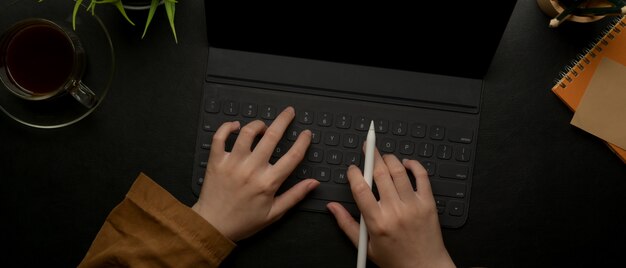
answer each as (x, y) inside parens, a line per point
(40, 60)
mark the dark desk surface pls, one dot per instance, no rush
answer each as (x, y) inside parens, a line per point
(544, 192)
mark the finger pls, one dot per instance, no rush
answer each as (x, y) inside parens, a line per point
(246, 136)
(421, 177)
(400, 177)
(362, 193)
(345, 221)
(382, 178)
(273, 134)
(288, 162)
(291, 197)
(218, 145)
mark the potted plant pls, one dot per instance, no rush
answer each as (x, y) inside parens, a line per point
(170, 8)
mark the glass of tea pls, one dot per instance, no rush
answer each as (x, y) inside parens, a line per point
(40, 60)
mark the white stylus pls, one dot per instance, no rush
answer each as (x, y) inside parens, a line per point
(370, 146)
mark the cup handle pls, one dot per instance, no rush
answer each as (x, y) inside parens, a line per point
(83, 94)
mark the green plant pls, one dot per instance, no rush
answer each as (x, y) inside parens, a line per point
(170, 9)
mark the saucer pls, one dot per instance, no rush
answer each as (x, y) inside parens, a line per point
(61, 110)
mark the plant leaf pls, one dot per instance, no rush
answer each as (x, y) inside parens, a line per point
(120, 7)
(153, 7)
(74, 12)
(92, 7)
(170, 9)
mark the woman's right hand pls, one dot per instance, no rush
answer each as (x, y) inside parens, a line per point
(403, 226)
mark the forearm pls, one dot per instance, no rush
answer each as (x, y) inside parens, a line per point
(150, 228)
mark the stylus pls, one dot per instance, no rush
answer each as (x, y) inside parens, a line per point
(370, 146)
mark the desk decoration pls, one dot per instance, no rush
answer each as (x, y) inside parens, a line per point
(581, 10)
(602, 109)
(574, 80)
(62, 110)
(170, 10)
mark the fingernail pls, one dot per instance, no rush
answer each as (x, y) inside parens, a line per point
(312, 185)
(404, 160)
(330, 207)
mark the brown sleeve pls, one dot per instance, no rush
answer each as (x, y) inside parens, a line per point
(150, 228)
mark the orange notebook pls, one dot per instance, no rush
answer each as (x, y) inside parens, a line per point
(571, 87)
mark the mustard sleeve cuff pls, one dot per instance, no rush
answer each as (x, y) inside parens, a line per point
(193, 229)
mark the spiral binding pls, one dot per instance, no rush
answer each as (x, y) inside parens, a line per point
(577, 65)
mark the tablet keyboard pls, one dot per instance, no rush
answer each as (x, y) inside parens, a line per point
(441, 141)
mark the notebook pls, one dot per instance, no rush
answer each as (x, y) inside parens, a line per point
(574, 81)
(341, 66)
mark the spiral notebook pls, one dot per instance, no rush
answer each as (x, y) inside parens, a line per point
(575, 79)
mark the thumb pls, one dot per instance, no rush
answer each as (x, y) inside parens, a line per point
(291, 197)
(345, 221)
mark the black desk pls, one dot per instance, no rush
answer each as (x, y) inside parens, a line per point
(544, 192)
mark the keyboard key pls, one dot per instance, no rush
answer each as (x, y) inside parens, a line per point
(453, 171)
(462, 154)
(210, 123)
(398, 128)
(315, 155)
(446, 188)
(339, 176)
(206, 145)
(437, 132)
(325, 119)
(456, 208)
(334, 157)
(315, 136)
(212, 106)
(418, 130)
(350, 140)
(331, 138)
(381, 126)
(332, 192)
(322, 174)
(231, 108)
(280, 150)
(425, 149)
(343, 121)
(268, 112)
(387, 145)
(205, 140)
(249, 110)
(312, 204)
(303, 172)
(461, 135)
(444, 151)
(430, 167)
(362, 123)
(306, 117)
(406, 147)
(292, 133)
(353, 158)
(441, 205)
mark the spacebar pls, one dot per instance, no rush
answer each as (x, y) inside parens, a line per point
(331, 192)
